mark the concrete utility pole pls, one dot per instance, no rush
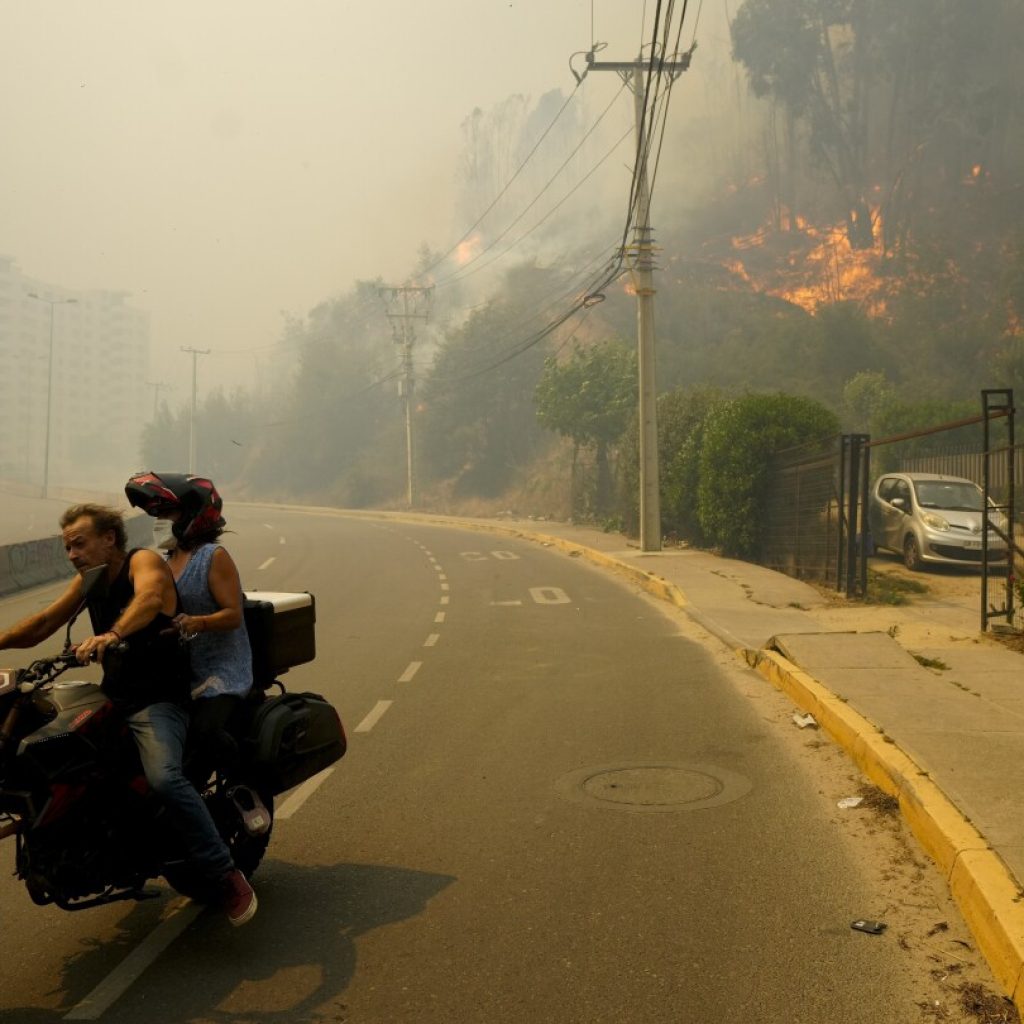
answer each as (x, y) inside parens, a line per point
(195, 353)
(633, 74)
(404, 335)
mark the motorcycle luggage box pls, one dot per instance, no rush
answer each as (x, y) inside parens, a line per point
(292, 738)
(281, 630)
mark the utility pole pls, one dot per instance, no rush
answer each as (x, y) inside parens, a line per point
(49, 386)
(405, 335)
(195, 353)
(642, 250)
(157, 387)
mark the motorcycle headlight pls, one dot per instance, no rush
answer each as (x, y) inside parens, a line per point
(934, 522)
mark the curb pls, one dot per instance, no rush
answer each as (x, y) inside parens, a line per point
(989, 897)
(984, 889)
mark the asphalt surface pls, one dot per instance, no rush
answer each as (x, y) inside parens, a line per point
(557, 806)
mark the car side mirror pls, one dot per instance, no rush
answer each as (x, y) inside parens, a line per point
(900, 503)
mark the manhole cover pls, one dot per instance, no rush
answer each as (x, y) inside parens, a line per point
(654, 787)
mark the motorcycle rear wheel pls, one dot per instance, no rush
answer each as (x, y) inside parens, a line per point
(246, 851)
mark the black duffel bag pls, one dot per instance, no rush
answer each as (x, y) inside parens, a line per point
(291, 738)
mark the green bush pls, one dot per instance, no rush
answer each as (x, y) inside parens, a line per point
(739, 438)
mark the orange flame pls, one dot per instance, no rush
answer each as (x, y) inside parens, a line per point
(823, 269)
(468, 249)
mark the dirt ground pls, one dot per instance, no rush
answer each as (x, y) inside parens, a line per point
(937, 607)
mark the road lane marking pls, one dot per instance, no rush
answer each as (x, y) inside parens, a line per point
(445, 586)
(268, 526)
(280, 540)
(301, 795)
(406, 676)
(506, 604)
(439, 617)
(374, 716)
(431, 640)
(269, 561)
(505, 556)
(442, 575)
(178, 916)
(445, 599)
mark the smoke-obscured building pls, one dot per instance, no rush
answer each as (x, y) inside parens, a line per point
(95, 386)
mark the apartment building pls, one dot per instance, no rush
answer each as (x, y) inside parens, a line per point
(80, 360)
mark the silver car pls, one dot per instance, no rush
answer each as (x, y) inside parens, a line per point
(932, 519)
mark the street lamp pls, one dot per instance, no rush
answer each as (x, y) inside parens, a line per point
(49, 387)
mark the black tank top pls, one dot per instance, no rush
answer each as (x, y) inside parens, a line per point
(154, 668)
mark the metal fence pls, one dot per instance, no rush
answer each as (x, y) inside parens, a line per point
(813, 521)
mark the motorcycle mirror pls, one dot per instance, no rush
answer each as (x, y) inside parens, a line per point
(94, 581)
(94, 584)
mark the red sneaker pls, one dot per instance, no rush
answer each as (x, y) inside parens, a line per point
(239, 898)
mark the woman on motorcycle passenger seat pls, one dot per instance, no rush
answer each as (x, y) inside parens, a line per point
(188, 527)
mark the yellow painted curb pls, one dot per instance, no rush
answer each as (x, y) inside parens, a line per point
(984, 888)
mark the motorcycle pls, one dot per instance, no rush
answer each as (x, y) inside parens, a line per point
(73, 796)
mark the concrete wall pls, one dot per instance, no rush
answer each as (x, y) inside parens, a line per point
(34, 562)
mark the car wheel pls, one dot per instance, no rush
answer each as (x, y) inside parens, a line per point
(912, 554)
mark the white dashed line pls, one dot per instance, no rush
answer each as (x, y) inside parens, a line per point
(445, 599)
(374, 716)
(442, 576)
(301, 795)
(431, 640)
(445, 586)
(406, 676)
(267, 526)
(439, 617)
(180, 914)
(281, 540)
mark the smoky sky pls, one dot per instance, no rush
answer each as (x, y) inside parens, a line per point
(227, 162)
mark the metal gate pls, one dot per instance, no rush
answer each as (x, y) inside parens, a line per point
(814, 513)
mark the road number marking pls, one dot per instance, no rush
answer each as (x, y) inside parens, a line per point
(505, 556)
(549, 595)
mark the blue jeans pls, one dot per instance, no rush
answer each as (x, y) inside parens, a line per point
(159, 733)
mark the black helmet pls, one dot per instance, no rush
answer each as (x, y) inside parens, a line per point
(194, 497)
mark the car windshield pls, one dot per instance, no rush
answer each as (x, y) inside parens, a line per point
(948, 495)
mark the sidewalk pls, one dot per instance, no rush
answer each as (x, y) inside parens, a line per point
(947, 739)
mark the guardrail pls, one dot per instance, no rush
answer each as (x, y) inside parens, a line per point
(35, 562)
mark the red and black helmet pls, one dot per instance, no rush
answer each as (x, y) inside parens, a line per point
(194, 497)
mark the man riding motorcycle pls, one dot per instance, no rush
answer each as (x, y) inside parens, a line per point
(149, 684)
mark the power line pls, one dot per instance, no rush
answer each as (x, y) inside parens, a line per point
(463, 273)
(469, 231)
(536, 198)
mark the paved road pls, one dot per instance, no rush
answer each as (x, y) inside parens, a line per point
(488, 851)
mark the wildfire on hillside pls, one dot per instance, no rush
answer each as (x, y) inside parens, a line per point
(812, 266)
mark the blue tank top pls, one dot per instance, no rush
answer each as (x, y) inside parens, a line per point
(221, 662)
